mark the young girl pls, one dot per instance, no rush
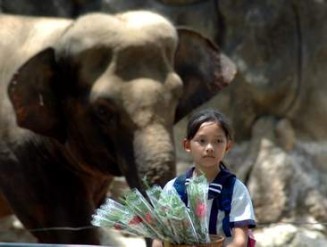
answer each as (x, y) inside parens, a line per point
(209, 137)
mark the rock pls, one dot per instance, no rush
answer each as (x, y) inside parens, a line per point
(289, 235)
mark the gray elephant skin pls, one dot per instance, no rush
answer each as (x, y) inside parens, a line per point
(88, 99)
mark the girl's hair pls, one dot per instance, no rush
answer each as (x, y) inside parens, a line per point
(208, 115)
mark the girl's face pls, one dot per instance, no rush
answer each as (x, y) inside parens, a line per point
(209, 146)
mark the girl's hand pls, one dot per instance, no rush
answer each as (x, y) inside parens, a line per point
(240, 237)
(156, 243)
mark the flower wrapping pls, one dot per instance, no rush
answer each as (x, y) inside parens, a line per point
(197, 191)
(141, 207)
(160, 209)
(178, 220)
(162, 215)
(115, 215)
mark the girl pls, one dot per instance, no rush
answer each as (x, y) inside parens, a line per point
(209, 137)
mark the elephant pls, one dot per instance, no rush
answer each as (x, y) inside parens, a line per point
(85, 100)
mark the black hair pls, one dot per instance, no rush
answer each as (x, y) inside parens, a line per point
(208, 115)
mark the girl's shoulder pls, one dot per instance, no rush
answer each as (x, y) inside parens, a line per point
(170, 184)
(239, 184)
(240, 189)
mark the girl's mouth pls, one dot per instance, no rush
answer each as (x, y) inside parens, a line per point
(209, 156)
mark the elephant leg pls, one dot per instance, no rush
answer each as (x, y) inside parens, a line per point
(4, 207)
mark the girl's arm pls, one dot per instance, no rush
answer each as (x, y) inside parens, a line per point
(156, 243)
(240, 237)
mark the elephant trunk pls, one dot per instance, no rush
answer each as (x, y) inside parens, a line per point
(155, 154)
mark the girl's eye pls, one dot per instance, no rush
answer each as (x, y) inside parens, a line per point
(202, 141)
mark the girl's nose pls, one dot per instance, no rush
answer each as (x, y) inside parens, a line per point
(209, 147)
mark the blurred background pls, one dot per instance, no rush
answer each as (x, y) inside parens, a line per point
(277, 103)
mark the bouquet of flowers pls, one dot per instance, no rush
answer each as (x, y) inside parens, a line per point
(140, 206)
(163, 215)
(174, 215)
(197, 192)
(115, 215)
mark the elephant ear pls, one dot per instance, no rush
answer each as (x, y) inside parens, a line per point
(203, 69)
(32, 91)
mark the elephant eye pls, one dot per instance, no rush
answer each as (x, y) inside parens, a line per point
(105, 114)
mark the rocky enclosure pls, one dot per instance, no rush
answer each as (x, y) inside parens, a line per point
(276, 102)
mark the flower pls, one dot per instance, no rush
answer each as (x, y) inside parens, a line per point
(135, 220)
(148, 218)
(200, 210)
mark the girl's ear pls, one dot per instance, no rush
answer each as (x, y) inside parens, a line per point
(187, 145)
(229, 145)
